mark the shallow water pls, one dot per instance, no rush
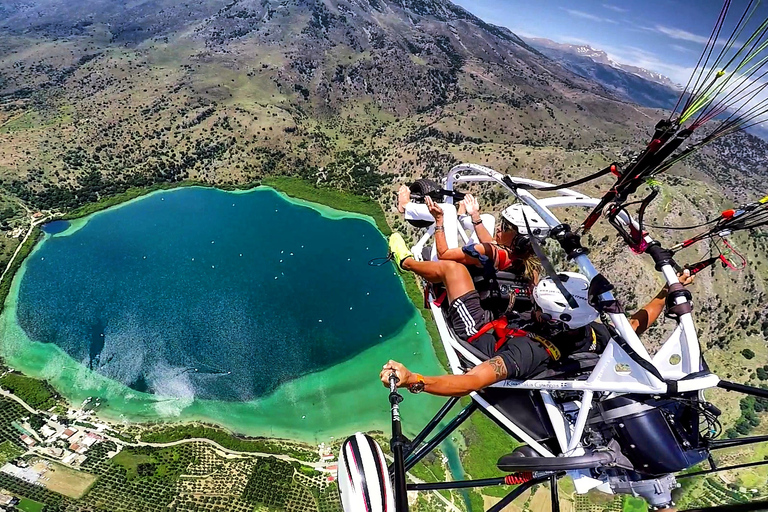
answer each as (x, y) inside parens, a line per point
(204, 304)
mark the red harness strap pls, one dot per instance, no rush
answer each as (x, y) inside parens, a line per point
(500, 329)
(439, 301)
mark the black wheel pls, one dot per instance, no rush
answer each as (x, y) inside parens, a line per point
(423, 186)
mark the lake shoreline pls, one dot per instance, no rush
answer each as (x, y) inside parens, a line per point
(234, 426)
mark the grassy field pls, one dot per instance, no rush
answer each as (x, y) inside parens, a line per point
(35, 392)
(347, 202)
(67, 481)
(631, 504)
(130, 461)
(9, 451)
(27, 505)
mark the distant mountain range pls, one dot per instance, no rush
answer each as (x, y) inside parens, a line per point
(633, 83)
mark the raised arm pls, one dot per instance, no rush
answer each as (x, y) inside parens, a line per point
(648, 314)
(441, 245)
(473, 210)
(477, 378)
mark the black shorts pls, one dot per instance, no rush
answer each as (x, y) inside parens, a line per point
(467, 316)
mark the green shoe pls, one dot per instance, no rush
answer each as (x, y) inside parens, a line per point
(398, 249)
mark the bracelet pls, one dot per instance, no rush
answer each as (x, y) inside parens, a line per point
(439, 228)
(418, 386)
(477, 222)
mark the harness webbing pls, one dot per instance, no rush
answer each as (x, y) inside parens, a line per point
(502, 331)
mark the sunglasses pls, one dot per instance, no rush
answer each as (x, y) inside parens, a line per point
(505, 225)
(548, 318)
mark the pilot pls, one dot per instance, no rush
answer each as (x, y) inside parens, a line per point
(555, 330)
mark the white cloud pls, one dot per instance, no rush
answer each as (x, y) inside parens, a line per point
(525, 34)
(576, 40)
(681, 49)
(679, 34)
(588, 16)
(615, 8)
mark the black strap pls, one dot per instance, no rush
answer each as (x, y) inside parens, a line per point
(672, 387)
(539, 252)
(579, 181)
(644, 363)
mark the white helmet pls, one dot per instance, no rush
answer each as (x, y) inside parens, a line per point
(554, 305)
(363, 476)
(514, 215)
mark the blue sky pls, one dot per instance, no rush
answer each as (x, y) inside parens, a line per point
(666, 36)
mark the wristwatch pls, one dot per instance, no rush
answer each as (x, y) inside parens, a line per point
(418, 386)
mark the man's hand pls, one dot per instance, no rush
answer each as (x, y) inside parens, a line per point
(435, 210)
(471, 206)
(401, 372)
(403, 198)
(648, 314)
(685, 277)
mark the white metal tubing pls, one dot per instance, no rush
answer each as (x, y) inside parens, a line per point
(588, 269)
(581, 421)
(698, 384)
(691, 349)
(417, 249)
(488, 174)
(557, 418)
(583, 201)
(585, 265)
(580, 385)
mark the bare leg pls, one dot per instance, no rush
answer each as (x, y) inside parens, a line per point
(403, 198)
(454, 275)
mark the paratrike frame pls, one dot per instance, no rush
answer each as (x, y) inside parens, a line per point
(624, 367)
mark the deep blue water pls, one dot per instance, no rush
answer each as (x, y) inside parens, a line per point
(239, 292)
(57, 226)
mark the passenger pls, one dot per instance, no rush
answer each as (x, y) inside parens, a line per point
(509, 251)
(555, 330)
(419, 215)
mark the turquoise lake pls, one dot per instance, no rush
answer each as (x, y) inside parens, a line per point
(251, 310)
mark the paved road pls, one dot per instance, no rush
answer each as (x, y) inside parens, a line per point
(19, 400)
(29, 232)
(316, 465)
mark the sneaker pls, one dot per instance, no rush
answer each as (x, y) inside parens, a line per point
(398, 249)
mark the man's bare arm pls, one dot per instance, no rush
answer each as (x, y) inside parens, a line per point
(477, 378)
(648, 314)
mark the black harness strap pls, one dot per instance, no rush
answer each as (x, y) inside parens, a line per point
(548, 266)
(585, 179)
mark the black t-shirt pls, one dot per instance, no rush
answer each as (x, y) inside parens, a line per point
(525, 356)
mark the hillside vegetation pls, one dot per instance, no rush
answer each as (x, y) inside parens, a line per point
(103, 99)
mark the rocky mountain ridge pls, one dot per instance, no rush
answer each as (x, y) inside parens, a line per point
(600, 56)
(633, 83)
